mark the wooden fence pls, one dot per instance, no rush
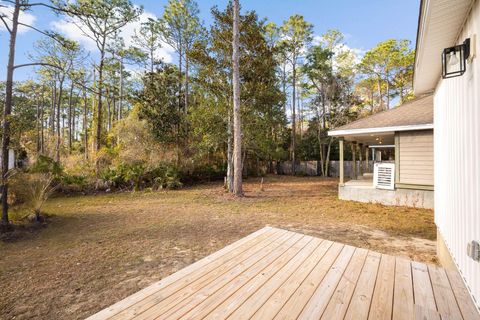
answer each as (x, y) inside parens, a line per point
(312, 168)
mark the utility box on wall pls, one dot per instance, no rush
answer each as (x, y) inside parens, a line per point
(384, 176)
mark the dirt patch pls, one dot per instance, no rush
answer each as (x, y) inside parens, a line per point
(99, 249)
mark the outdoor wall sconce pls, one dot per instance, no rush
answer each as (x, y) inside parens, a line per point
(454, 60)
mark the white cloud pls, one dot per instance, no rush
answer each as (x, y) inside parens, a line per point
(24, 17)
(69, 27)
(358, 53)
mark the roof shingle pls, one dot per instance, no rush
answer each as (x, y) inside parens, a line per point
(415, 112)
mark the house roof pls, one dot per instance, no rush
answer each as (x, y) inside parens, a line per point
(414, 115)
(439, 26)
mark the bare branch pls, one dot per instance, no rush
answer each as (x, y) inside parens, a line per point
(37, 4)
(51, 36)
(36, 64)
(9, 1)
(5, 23)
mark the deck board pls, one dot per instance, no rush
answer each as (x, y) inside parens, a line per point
(249, 307)
(319, 300)
(194, 293)
(382, 300)
(403, 304)
(337, 307)
(278, 274)
(362, 297)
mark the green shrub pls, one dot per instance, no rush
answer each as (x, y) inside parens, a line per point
(166, 177)
(74, 180)
(203, 173)
(112, 177)
(133, 174)
(45, 164)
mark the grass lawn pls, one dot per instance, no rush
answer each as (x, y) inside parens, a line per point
(99, 249)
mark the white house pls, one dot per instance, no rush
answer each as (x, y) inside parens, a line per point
(442, 25)
(447, 76)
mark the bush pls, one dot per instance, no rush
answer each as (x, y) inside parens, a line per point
(203, 173)
(136, 176)
(165, 177)
(76, 181)
(33, 189)
(45, 164)
(112, 178)
(133, 174)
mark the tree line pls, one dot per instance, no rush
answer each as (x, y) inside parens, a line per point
(121, 114)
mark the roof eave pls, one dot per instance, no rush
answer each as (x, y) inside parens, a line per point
(350, 132)
(433, 37)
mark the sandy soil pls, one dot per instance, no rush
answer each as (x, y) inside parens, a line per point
(99, 249)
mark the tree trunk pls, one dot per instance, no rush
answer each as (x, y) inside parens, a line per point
(59, 104)
(42, 117)
(113, 116)
(180, 52)
(152, 62)
(109, 109)
(284, 88)
(372, 100)
(300, 112)
(388, 91)
(319, 138)
(294, 122)
(94, 107)
(380, 98)
(327, 158)
(120, 100)
(179, 128)
(85, 123)
(229, 151)
(37, 122)
(75, 121)
(98, 137)
(70, 118)
(237, 120)
(186, 83)
(7, 110)
(53, 108)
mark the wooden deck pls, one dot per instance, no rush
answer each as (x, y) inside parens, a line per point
(278, 274)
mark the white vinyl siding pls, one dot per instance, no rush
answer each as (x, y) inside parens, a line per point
(457, 160)
(416, 157)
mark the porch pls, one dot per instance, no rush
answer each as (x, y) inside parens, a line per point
(364, 190)
(274, 273)
(382, 184)
(400, 143)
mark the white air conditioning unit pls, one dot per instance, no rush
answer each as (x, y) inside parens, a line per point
(384, 176)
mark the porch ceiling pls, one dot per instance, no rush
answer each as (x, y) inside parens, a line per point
(383, 138)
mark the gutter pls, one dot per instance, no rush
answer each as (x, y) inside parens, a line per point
(349, 132)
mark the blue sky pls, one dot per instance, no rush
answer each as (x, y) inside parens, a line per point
(364, 22)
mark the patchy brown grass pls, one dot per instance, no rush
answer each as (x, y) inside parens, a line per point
(97, 250)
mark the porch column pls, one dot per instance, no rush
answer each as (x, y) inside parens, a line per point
(340, 166)
(397, 157)
(366, 158)
(354, 160)
(360, 160)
